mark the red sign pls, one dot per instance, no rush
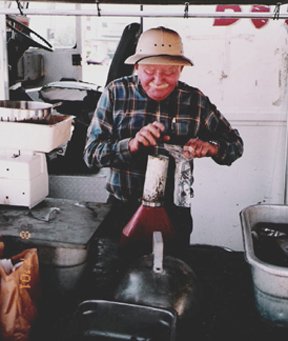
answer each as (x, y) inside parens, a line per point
(257, 22)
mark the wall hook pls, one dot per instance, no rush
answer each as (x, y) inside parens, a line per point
(98, 8)
(186, 10)
(277, 11)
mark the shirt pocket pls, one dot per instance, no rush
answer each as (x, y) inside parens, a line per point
(181, 126)
(181, 130)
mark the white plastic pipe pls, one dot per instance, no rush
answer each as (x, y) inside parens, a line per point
(155, 180)
(153, 13)
(158, 250)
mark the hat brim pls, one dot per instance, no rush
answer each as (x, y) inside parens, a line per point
(158, 59)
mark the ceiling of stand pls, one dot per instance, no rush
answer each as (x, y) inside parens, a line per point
(173, 2)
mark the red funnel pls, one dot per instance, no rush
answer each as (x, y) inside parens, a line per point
(145, 221)
(151, 215)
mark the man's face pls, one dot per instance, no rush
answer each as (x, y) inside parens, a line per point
(158, 81)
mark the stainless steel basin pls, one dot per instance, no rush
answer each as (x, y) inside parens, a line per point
(270, 280)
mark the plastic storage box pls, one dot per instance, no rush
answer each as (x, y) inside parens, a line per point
(38, 137)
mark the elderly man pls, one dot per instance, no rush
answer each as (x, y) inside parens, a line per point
(137, 114)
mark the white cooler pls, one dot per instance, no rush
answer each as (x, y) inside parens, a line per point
(28, 130)
(23, 179)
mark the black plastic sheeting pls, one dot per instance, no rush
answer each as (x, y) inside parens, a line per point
(227, 303)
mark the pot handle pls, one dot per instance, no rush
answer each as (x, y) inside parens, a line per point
(157, 252)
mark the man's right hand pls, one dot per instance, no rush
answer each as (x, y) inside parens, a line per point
(148, 136)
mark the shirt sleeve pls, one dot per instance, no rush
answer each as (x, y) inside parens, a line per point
(102, 148)
(215, 127)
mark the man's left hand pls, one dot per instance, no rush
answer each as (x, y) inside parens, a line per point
(196, 148)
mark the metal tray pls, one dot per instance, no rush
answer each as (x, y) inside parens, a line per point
(22, 110)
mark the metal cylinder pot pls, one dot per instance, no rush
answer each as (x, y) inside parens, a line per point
(160, 281)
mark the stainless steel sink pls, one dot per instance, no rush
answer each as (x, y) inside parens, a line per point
(270, 280)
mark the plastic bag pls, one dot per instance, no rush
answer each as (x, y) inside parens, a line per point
(183, 192)
(19, 294)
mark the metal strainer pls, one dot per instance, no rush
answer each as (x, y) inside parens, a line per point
(13, 111)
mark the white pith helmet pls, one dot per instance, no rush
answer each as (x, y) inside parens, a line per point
(159, 45)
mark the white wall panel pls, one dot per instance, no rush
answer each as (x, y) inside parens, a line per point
(3, 60)
(221, 192)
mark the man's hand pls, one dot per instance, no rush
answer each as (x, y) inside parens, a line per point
(148, 136)
(196, 148)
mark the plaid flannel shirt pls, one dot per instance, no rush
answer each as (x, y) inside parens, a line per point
(124, 108)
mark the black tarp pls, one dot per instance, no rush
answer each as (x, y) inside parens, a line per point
(227, 302)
